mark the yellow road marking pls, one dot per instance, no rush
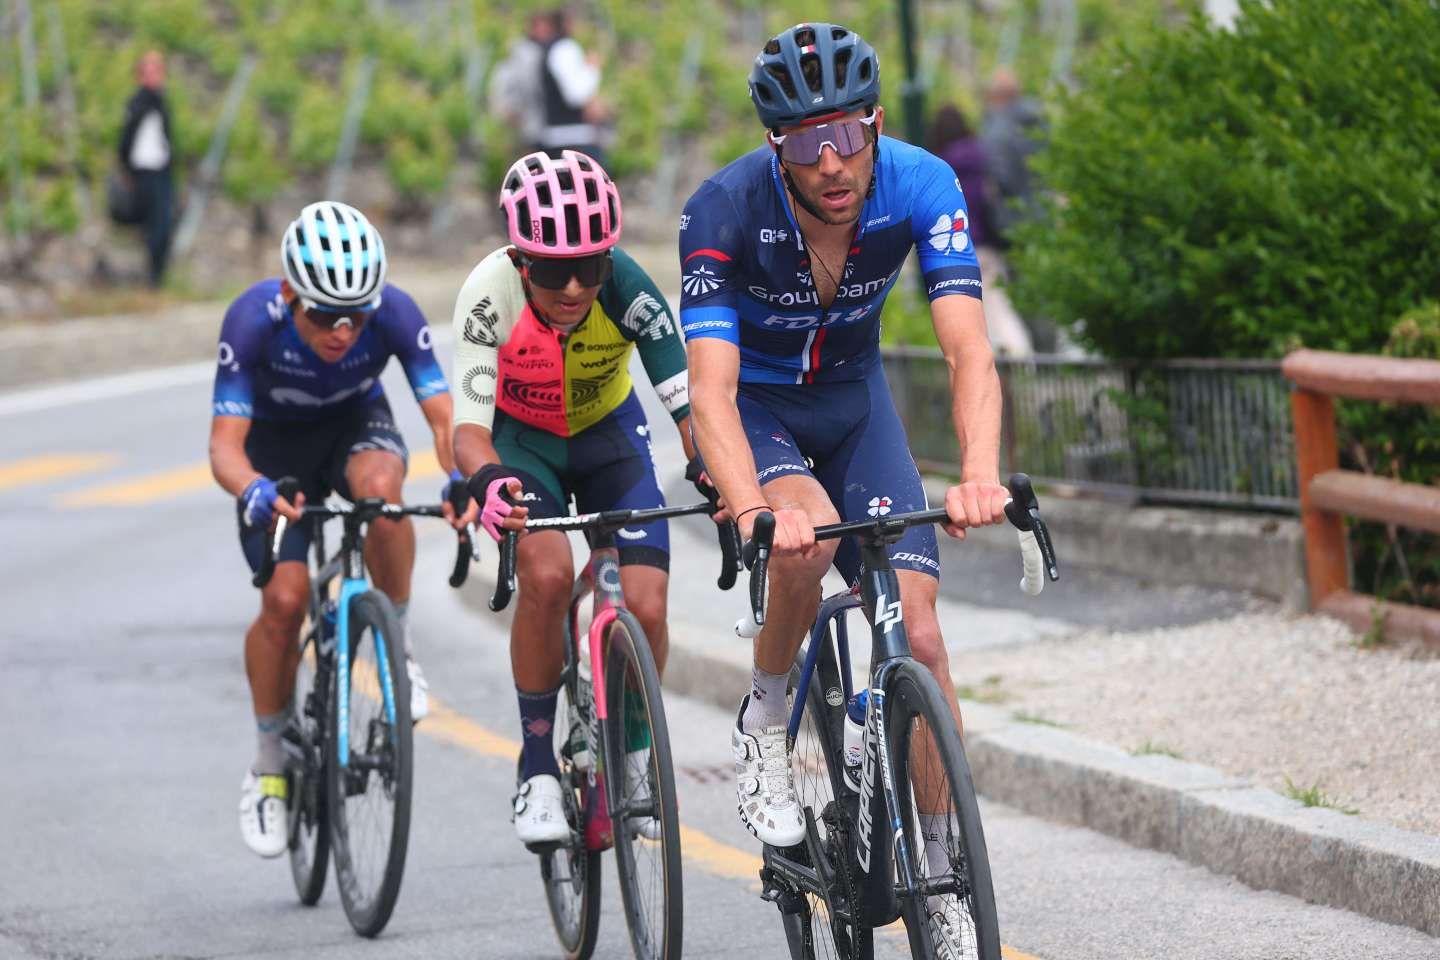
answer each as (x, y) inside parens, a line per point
(423, 465)
(711, 855)
(52, 467)
(147, 489)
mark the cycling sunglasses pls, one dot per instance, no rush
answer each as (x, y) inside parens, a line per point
(554, 273)
(845, 137)
(330, 318)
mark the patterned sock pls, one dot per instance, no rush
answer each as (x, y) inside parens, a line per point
(537, 725)
(269, 753)
(767, 707)
(934, 826)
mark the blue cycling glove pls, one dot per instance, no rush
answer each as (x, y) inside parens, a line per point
(452, 490)
(257, 502)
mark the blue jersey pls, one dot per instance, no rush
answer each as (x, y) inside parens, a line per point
(266, 372)
(746, 272)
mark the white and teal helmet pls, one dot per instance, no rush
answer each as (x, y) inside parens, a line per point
(334, 257)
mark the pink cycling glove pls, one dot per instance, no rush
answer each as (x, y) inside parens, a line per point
(496, 507)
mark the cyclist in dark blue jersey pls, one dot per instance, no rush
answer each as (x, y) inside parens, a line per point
(787, 256)
(297, 393)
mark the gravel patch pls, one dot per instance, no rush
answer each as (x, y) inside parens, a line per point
(1288, 702)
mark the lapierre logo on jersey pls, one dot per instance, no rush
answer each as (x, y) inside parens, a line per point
(647, 316)
(953, 282)
(951, 232)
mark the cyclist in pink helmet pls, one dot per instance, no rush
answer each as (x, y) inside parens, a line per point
(544, 329)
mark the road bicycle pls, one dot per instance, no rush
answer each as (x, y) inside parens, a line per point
(349, 760)
(616, 776)
(900, 838)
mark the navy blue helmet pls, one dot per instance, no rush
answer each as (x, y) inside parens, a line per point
(813, 69)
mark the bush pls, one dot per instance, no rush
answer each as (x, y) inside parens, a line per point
(1234, 194)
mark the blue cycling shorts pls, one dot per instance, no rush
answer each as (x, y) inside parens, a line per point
(848, 436)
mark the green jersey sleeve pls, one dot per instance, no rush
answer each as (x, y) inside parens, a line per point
(638, 309)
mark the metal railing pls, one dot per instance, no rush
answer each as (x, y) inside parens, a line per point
(1187, 431)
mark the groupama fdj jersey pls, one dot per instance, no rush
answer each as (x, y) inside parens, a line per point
(746, 273)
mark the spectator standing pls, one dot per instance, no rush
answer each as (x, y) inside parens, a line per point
(1013, 129)
(516, 92)
(147, 155)
(570, 84)
(953, 140)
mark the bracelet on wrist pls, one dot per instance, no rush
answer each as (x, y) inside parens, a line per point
(763, 506)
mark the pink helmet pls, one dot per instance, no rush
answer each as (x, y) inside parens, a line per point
(560, 208)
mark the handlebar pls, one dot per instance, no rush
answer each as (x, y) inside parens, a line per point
(363, 510)
(605, 521)
(1037, 552)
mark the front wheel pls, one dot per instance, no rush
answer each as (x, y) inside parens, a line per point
(368, 796)
(952, 914)
(641, 789)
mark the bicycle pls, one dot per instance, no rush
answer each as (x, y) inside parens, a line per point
(611, 689)
(857, 868)
(348, 745)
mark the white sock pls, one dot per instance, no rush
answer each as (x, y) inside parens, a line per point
(402, 610)
(767, 706)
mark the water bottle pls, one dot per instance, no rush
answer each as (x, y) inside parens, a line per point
(329, 612)
(580, 736)
(855, 737)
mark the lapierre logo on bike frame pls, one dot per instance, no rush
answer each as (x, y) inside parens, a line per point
(867, 776)
(887, 614)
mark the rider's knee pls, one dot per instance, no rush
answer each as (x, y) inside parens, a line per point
(381, 479)
(283, 605)
(806, 569)
(546, 582)
(648, 608)
(927, 644)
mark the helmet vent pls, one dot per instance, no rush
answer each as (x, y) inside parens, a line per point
(805, 37)
(522, 218)
(592, 192)
(772, 48)
(838, 33)
(842, 63)
(547, 231)
(572, 224)
(782, 76)
(814, 74)
(595, 225)
(865, 70)
(542, 193)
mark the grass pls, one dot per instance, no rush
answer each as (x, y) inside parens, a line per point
(1375, 636)
(1151, 748)
(1024, 716)
(1314, 796)
(988, 692)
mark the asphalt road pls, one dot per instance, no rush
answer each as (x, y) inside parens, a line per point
(125, 728)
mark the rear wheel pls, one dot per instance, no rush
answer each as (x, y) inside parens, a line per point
(641, 788)
(369, 797)
(305, 766)
(571, 872)
(954, 919)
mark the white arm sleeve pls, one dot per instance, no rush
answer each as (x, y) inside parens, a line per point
(489, 304)
(577, 79)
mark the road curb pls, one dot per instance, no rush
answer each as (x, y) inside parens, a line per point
(1196, 813)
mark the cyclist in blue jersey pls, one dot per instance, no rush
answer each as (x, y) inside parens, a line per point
(297, 393)
(787, 256)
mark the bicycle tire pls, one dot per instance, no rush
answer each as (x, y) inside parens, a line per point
(656, 924)
(912, 694)
(374, 626)
(309, 826)
(817, 760)
(572, 896)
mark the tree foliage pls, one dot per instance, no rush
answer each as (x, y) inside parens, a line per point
(1234, 193)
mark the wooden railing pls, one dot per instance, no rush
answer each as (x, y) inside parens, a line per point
(1327, 493)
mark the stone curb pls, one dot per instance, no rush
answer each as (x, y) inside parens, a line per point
(1190, 811)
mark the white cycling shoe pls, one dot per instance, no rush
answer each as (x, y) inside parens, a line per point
(419, 691)
(765, 783)
(951, 930)
(540, 811)
(263, 823)
(637, 794)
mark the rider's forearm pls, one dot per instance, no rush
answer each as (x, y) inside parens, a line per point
(977, 408)
(230, 464)
(439, 411)
(686, 440)
(721, 441)
(975, 400)
(474, 448)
